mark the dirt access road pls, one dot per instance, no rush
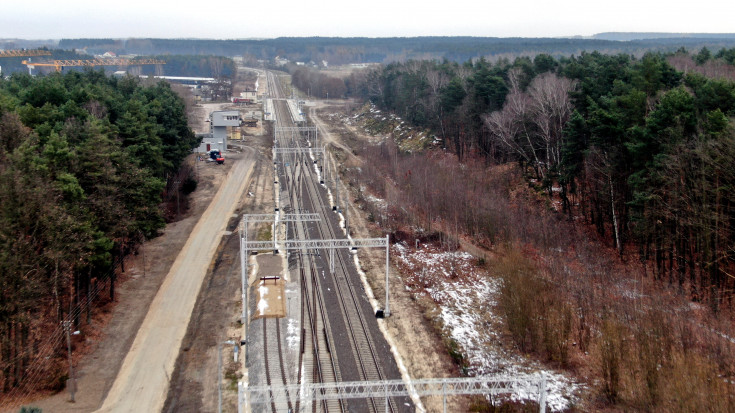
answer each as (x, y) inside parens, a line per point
(143, 380)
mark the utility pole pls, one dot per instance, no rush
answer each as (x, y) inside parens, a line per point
(347, 226)
(142, 248)
(387, 254)
(178, 211)
(244, 279)
(71, 383)
(336, 187)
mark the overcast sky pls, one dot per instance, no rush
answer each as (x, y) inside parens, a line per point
(53, 19)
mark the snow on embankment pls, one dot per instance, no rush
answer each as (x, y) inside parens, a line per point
(467, 296)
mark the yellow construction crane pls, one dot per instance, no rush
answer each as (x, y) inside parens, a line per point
(24, 53)
(59, 64)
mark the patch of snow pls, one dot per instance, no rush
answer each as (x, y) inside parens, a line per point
(262, 304)
(293, 335)
(376, 201)
(393, 349)
(467, 298)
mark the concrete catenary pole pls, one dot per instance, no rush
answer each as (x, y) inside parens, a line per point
(387, 263)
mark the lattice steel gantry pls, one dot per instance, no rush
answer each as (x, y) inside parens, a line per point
(311, 133)
(331, 244)
(274, 218)
(523, 386)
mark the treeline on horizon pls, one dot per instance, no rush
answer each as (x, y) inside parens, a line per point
(84, 162)
(337, 51)
(192, 65)
(642, 149)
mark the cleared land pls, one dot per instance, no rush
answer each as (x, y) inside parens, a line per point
(149, 364)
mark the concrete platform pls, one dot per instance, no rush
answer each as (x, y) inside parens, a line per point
(270, 300)
(269, 288)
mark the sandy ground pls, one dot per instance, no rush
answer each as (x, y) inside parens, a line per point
(216, 316)
(148, 366)
(113, 331)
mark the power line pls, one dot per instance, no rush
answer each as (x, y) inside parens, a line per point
(34, 372)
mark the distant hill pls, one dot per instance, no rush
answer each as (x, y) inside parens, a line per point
(7, 44)
(628, 36)
(344, 50)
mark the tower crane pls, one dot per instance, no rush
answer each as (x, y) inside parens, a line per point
(24, 53)
(60, 64)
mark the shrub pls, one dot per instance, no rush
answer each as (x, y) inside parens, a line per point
(519, 299)
(611, 355)
(653, 338)
(537, 316)
(695, 385)
(189, 185)
(557, 329)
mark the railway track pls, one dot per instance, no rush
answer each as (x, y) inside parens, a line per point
(276, 369)
(360, 340)
(274, 363)
(319, 358)
(332, 303)
(316, 361)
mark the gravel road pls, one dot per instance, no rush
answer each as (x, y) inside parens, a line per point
(143, 380)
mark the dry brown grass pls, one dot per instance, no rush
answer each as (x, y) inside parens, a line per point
(537, 315)
(568, 299)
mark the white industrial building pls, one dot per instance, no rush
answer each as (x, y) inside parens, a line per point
(249, 95)
(222, 124)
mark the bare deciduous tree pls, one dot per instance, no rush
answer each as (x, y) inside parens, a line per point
(530, 123)
(713, 69)
(508, 125)
(505, 128)
(551, 108)
(217, 65)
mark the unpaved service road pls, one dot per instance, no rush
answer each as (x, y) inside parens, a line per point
(143, 380)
